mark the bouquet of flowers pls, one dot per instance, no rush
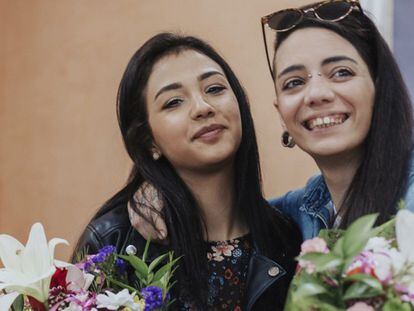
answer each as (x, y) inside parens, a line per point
(362, 268)
(33, 280)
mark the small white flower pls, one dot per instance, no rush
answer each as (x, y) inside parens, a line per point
(377, 244)
(404, 229)
(78, 280)
(383, 266)
(113, 301)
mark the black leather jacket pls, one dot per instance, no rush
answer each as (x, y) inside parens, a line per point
(267, 281)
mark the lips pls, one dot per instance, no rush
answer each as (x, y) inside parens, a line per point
(208, 130)
(325, 121)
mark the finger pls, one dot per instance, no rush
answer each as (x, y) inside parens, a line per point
(161, 227)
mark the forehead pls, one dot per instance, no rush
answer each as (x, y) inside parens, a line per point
(313, 44)
(181, 67)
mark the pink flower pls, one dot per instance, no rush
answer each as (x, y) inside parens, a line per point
(360, 306)
(315, 245)
(221, 250)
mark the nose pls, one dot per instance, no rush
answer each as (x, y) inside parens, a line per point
(318, 91)
(201, 109)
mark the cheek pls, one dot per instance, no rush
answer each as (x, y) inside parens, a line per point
(167, 132)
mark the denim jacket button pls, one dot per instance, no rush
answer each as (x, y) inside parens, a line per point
(273, 271)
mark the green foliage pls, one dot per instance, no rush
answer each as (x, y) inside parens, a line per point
(328, 288)
(158, 273)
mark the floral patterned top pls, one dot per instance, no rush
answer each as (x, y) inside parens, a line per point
(228, 263)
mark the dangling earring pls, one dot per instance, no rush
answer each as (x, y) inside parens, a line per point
(156, 154)
(287, 140)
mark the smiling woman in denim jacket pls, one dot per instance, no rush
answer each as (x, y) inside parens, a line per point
(342, 100)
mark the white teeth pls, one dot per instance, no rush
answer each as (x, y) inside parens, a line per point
(322, 122)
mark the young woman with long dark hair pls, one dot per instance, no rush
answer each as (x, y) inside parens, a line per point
(342, 100)
(186, 125)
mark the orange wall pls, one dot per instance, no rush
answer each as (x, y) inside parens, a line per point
(61, 154)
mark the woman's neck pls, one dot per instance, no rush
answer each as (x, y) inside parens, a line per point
(215, 194)
(338, 172)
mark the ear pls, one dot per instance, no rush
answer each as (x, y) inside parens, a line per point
(276, 105)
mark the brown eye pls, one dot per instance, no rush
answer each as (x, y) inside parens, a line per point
(342, 73)
(215, 89)
(292, 84)
(172, 103)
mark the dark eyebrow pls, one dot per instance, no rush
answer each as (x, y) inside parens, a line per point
(175, 86)
(169, 87)
(325, 62)
(209, 74)
(335, 59)
(290, 69)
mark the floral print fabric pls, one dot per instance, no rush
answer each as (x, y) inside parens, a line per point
(228, 262)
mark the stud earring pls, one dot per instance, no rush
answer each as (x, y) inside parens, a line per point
(156, 155)
(287, 140)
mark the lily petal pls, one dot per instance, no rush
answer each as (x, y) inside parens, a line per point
(36, 259)
(61, 264)
(10, 252)
(7, 300)
(404, 229)
(52, 244)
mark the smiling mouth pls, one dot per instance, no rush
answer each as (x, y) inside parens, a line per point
(325, 121)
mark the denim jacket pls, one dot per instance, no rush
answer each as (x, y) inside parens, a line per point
(312, 208)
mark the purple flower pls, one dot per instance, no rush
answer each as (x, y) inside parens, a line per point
(100, 257)
(107, 250)
(120, 264)
(153, 297)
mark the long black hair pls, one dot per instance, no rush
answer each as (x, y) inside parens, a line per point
(381, 179)
(181, 212)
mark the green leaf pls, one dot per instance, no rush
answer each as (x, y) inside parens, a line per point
(165, 269)
(338, 248)
(357, 235)
(323, 261)
(310, 289)
(120, 284)
(18, 304)
(361, 290)
(138, 264)
(396, 304)
(331, 236)
(367, 279)
(156, 262)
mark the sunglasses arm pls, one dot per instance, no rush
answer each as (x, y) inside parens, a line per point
(267, 50)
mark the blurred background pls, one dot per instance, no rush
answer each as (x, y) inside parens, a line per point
(61, 153)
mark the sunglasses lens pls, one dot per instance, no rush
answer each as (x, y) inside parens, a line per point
(285, 19)
(333, 10)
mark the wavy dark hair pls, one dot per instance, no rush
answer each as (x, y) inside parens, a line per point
(381, 179)
(181, 211)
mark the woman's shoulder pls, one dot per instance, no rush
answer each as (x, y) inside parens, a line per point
(290, 202)
(110, 228)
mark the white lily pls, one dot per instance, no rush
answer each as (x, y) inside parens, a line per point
(112, 301)
(27, 269)
(404, 229)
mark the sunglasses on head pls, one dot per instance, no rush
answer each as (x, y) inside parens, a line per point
(285, 20)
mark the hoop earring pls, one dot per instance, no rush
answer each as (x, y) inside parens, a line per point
(287, 140)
